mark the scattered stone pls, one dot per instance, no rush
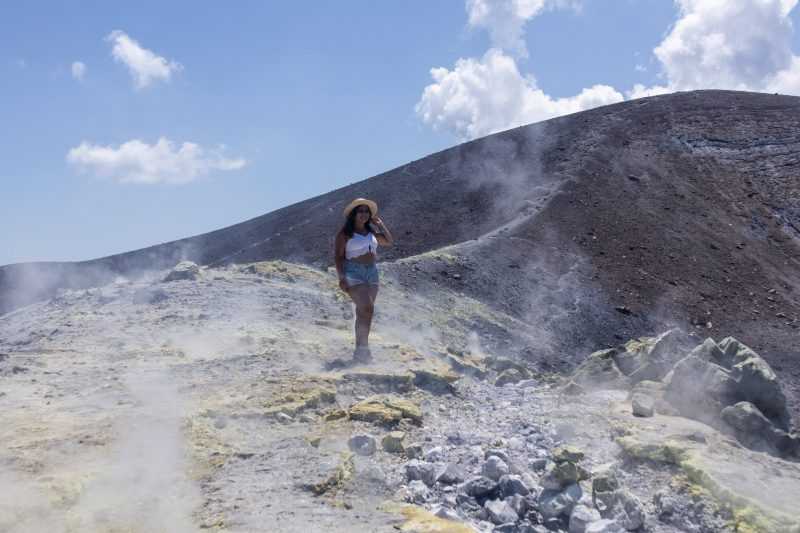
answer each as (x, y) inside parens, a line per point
(628, 511)
(604, 526)
(581, 517)
(185, 270)
(554, 503)
(494, 468)
(425, 472)
(513, 485)
(567, 454)
(642, 405)
(500, 512)
(418, 491)
(604, 489)
(434, 454)
(497, 452)
(362, 444)
(414, 451)
(479, 487)
(451, 475)
(393, 442)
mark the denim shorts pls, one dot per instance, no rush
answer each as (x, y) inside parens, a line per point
(356, 273)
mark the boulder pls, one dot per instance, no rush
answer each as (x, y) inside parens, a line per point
(513, 485)
(599, 371)
(500, 512)
(581, 517)
(659, 355)
(700, 389)
(185, 270)
(757, 432)
(758, 384)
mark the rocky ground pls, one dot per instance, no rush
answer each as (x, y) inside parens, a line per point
(214, 401)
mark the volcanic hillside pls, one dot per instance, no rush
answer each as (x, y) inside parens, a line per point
(588, 229)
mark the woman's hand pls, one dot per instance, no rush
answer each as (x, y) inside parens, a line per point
(343, 284)
(378, 222)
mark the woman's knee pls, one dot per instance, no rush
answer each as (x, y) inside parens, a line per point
(366, 310)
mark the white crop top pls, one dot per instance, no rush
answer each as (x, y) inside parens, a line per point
(360, 244)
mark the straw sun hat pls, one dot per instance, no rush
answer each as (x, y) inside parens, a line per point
(373, 207)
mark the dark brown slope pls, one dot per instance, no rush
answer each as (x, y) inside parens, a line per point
(679, 210)
(682, 208)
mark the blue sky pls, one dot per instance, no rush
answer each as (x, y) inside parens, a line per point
(281, 101)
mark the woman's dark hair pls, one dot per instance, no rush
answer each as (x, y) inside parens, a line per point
(350, 223)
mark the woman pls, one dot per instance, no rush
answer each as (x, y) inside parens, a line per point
(355, 253)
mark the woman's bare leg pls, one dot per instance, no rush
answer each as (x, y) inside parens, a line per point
(361, 295)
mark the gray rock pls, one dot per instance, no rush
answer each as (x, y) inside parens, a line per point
(758, 384)
(511, 485)
(434, 454)
(500, 512)
(414, 451)
(628, 511)
(362, 444)
(479, 487)
(600, 371)
(420, 470)
(393, 442)
(418, 491)
(756, 432)
(451, 475)
(494, 468)
(185, 270)
(581, 517)
(642, 404)
(497, 452)
(604, 491)
(446, 513)
(699, 389)
(604, 525)
(553, 503)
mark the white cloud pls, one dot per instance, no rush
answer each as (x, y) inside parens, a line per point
(479, 97)
(138, 162)
(145, 66)
(505, 19)
(729, 44)
(78, 70)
